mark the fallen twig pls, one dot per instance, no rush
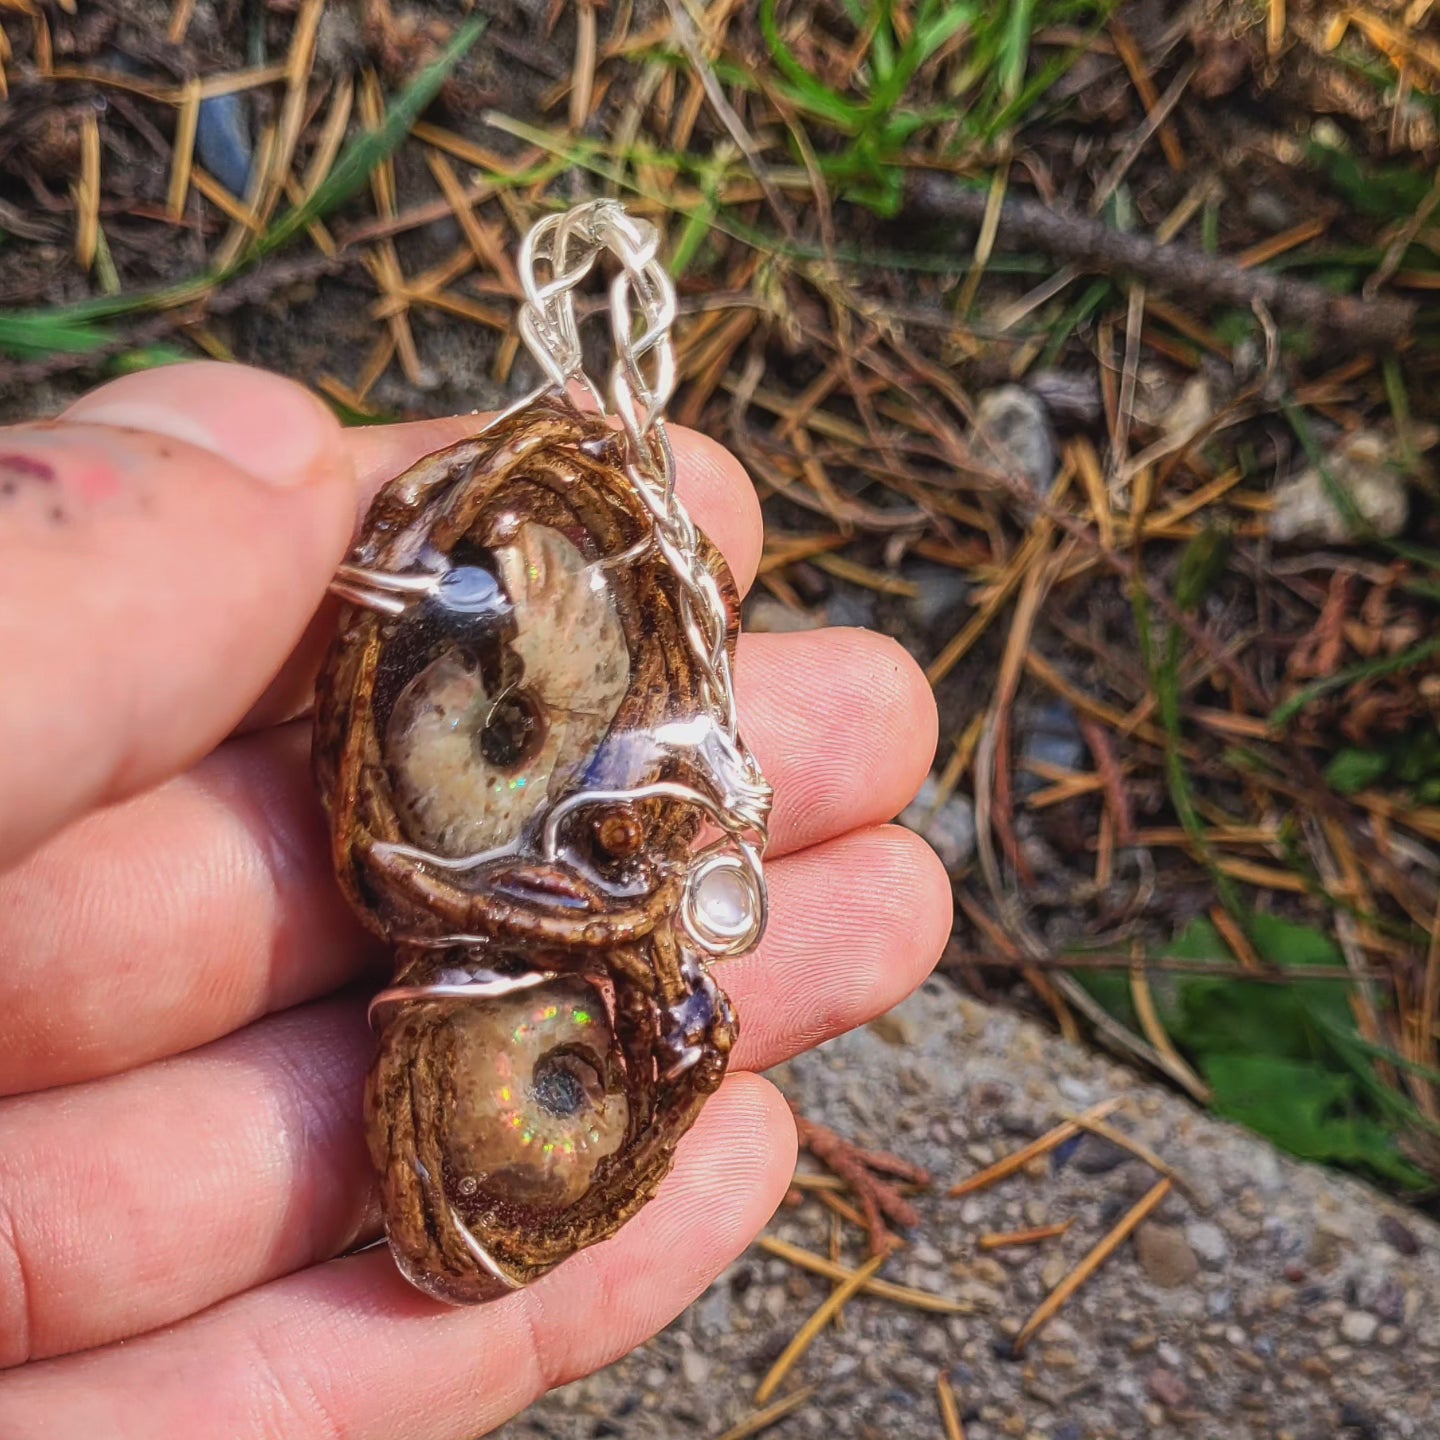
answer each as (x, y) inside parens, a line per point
(1384, 320)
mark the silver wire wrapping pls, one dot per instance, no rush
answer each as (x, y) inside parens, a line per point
(555, 258)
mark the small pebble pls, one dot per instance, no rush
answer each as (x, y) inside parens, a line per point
(1165, 1256)
(1168, 1388)
(950, 830)
(1013, 430)
(1208, 1241)
(1396, 1234)
(941, 599)
(1364, 467)
(222, 141)
(1358, 1326)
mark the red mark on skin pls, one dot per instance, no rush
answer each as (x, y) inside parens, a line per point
(95, 482)
(91, 481)
(28, 468)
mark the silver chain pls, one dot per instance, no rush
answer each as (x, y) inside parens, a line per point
(566, 248)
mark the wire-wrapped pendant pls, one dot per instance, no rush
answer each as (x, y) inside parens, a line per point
(526, 743)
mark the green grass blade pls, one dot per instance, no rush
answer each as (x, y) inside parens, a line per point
(1352, 674)
(812, 91)
(359, 158)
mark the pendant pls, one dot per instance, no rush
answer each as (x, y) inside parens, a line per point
(527, 748)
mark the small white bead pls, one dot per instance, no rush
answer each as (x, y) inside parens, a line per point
(725, 902)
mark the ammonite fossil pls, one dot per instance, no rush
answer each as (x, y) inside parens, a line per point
(526, 743)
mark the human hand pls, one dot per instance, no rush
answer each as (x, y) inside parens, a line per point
(182, 1048)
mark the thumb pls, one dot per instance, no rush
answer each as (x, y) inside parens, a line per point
(162, 545)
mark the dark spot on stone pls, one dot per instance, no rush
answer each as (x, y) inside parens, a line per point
(1389, 1304)
(1095, 1155)
(1358, 1423)
(1398, 1236)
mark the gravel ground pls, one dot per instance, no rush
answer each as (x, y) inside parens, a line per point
(1265, 1299)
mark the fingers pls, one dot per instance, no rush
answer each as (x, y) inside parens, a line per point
(157, 925)
(350, 1349)
(161, 924)
(143, 1198)
(162, 546)
(133, 1201)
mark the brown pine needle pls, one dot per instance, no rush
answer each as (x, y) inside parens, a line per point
(299, 61)
(1087, 464)
(864, 575)
(878, 1289)
(228, 251)
(484, 243)
(1263, 876)
(236, 80)
(1275, 30)
(87, 194)
(180, 21)
(803, 1180)
(337, 389)
(1134, 61)
(810, 1330)
(984, 241)
(949, 1408)
(1235, 938)
(384, 261)
(764, 1419)
(1052, 1303)
(1006, 585)
(295, 193)
(376, 365)
(332, 136)
(44, 47)
(187, 121)
(841, 1209)
(1174, 1063)
(1009, 1239)
(223, 200)
(1278, 244)
(1002, 1169)
(582, 78)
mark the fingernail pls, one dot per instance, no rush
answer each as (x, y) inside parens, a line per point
(262, 424)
